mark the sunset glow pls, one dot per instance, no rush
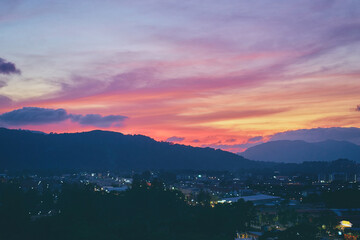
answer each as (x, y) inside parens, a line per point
(209, 73)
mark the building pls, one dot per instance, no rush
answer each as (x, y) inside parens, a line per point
(115, 189)
(248, 236)
(258, 199)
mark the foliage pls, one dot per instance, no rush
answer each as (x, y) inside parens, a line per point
(298, 232)
(144, 212)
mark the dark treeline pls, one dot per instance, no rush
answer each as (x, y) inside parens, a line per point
(144, 212)
(344, 198)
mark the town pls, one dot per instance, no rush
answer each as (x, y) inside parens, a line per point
(323, 205)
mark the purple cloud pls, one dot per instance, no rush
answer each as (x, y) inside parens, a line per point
(5, 101)
(175, 139)
(358, 108)
(33, 115)
(3, 84)
(39, 116)
(8, 67)
(98, 120)
(255, 139)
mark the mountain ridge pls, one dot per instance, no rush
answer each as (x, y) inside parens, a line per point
(297, 151)
(106, 150)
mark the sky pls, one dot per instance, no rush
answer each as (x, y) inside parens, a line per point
(226, 74)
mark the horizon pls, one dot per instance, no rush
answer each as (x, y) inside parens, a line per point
(226, 75)
(281, 136)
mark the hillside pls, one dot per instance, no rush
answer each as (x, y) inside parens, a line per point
(102, 150)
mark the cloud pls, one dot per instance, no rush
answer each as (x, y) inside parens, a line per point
(230, 144)
(136, 78)
(195, 141)
(175, 139)
(5, 101)
(98, 120)
(357, 108)
(33, 115)
(39, 116)
(255, 139)
(236, 148)
(309, 135)
(2, 84)
(351, 134)
(8, 67)
(236, 114)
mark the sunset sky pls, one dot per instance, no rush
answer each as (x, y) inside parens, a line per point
(224, 74)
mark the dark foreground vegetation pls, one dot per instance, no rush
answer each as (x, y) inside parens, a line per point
(72, 208)
(144, 212)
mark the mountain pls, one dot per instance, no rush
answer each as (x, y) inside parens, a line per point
(103, 150)
(299, 151)
(350, 134)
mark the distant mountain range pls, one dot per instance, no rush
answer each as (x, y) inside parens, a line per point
(299, 151)
(350, 134)
(102, 150)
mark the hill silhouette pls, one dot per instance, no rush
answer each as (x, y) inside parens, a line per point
(299, 151)
(104, 150)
